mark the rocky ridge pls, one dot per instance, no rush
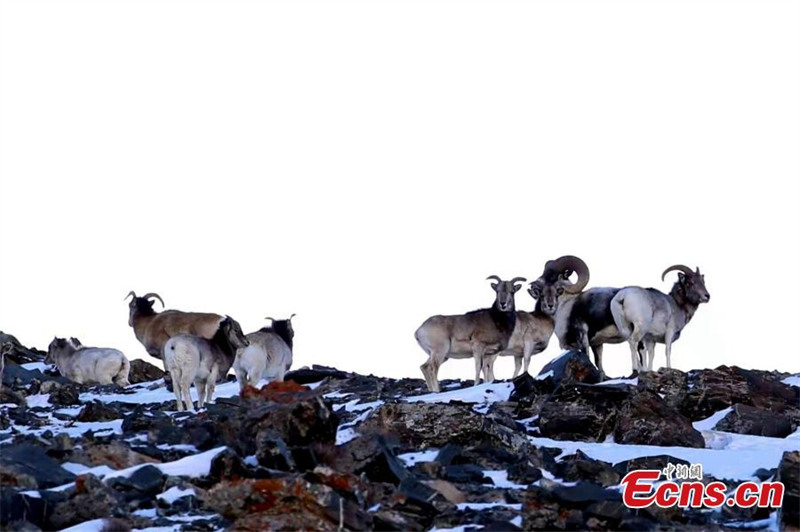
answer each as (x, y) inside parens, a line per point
(334, 450)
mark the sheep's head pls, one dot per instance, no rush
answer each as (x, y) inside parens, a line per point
(554, 281)
(58, 346)
(505, 292)
(691, 284)
(232, 332)
(141, 306)
(284, 329)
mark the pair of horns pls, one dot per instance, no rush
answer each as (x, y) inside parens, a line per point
(147, 296)
(568, 263)
(273, 319)
(512, 281)
(681, 268)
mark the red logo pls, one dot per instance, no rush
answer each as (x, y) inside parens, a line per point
(641, 489)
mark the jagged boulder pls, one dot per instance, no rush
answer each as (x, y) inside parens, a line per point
(789, 474)
(646, 419)
(143, 371)
(744, 419)
(28, 466)
(582, 412)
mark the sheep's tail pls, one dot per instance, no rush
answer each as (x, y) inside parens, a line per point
(618, 312)
(122, 375)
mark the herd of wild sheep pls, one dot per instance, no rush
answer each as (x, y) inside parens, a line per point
(201, 348)
(581, 319)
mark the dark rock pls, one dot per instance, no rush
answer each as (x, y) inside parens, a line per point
(670, 384)
(789, 474)
(315, 374)
(570, 368)
(712, 390)
(646, 419)
(581, 412)
(580, 468)
(466, 474)
(372, 456)
(528, 389)
(744, 419)
(763, 474)
(97, 411)
(145, 483)
(584, 492)
(9, 396)
(227, 465)
(658, 462)
(142, 371)
(300, 416)
(284, 503)
(61, 394)
(272, 452)
(18, 354)
(423, 425)
(610, 511)
(90, 499)
(25, 512)
(143, 420)
(28, 466)
(524, 472)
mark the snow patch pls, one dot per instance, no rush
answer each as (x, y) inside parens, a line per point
(175, 493)
(409, 459)
(500, 480)
(487, 505)
(711, 421)
(41, 400)
(483, 393)
(794, 380)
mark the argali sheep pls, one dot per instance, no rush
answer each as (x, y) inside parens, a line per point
(645, 316)
(583, 319)
(88, 365)
(189, 358)
(480, 334)
(531, 334)
(153, 329)
(269, 355)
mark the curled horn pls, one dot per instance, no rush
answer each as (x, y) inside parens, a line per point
(153, 294)
(495, 278)
(573, 264)
(131, 293)
(516, 280)
(268, 318)
(679, 267)
(292, 316)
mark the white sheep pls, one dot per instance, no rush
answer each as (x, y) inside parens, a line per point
(269, 355)
(190, 358)
(88, 365)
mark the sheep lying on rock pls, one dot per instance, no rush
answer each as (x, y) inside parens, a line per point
(88, 365)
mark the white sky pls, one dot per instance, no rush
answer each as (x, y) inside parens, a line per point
(367, 164)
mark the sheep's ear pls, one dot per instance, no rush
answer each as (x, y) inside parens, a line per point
(516, 288)
(494, 287)
(681, 277)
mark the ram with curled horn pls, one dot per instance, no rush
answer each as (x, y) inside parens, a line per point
(153, 329)
(646, 316)
(480, 334)
(583, 319)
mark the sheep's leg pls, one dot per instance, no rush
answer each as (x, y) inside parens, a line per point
(176, 389)
(668, 337)
(212, 383)
(517, 366)
(430, 369)
(201, 392)
(478, 351)
(186, 385)
(633, 341)
(488, 367)
(598, 359)
(651, 353)
(241, 376)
